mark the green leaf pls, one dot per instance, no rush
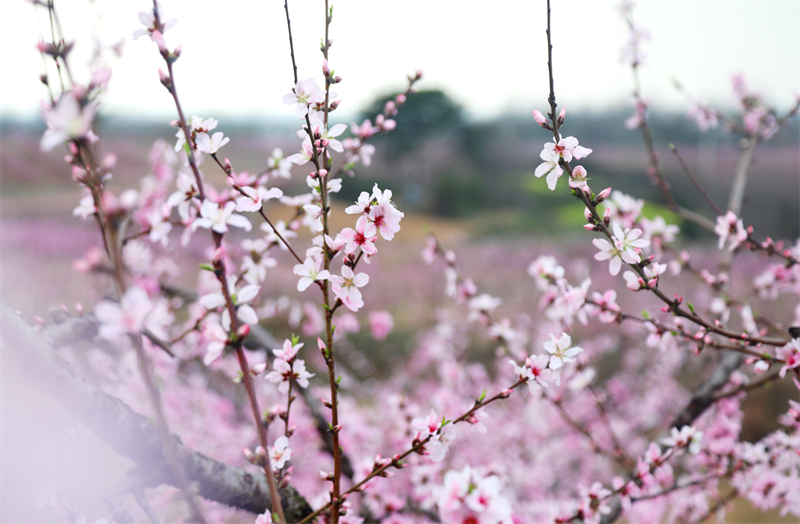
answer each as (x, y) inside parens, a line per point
(691, 308)
(207, 267)
(338, 380)
(295, 339)
(483, 396)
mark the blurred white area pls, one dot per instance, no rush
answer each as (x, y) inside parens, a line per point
(490, 56)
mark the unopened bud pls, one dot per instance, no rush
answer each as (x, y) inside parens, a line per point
(607, 217)
(43, 79)
(588, 215)
(542, 120)
(326, 70)
(400, 99)
(603, 195)
(337, 79)
(334, 105)
(243, 331)
(562, 116)
(505, 393)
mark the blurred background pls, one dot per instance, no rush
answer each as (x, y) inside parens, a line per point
(460, 162)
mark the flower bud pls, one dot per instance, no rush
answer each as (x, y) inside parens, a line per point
(243, 331)
(562, 116)
(325, 69)
(603, 195)
(400, 99)
(588, 215)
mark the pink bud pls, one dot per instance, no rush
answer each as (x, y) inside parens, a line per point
(323, 173)
(539, 117)
(603, 195)
(400, 99)
(164, 77)
(243, 331)
(505, 393)
(588, 215)
(562, 116)
(325, 69)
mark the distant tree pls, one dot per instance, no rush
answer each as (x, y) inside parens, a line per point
(424, 115)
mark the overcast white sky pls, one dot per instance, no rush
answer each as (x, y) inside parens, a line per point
(490, 55)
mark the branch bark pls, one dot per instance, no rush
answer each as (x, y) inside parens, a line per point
(133, 435)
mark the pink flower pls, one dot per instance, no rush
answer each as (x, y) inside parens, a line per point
(380, 324)
(125, 318)
(264, 518)
(346, 288)
(288, 352)
(790, 353)
(704, 117)
(359, 239)
(731, 230)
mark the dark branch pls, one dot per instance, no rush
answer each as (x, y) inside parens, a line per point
(134, 435)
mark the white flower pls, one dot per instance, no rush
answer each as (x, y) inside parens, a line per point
(148, 20)
(217, 218)
(240, 299)
(566, 149)
(284, 372)
(331, 134)
(86, 208)
(66, 120)
(686, 437)
(253, 199)
(561, 350)
(624, 248)
(309, 273)
(210, 145)
(279, 166)
(280, 453)
(305, 93)
(280, 229)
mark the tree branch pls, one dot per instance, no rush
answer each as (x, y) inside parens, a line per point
(132, 434)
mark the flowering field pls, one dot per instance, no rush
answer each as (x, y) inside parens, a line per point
(204, 328)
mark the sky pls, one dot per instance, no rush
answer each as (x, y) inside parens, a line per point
(490, 56)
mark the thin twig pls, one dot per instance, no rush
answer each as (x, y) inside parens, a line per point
(694, 180)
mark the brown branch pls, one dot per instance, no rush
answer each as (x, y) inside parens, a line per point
(134, 435)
